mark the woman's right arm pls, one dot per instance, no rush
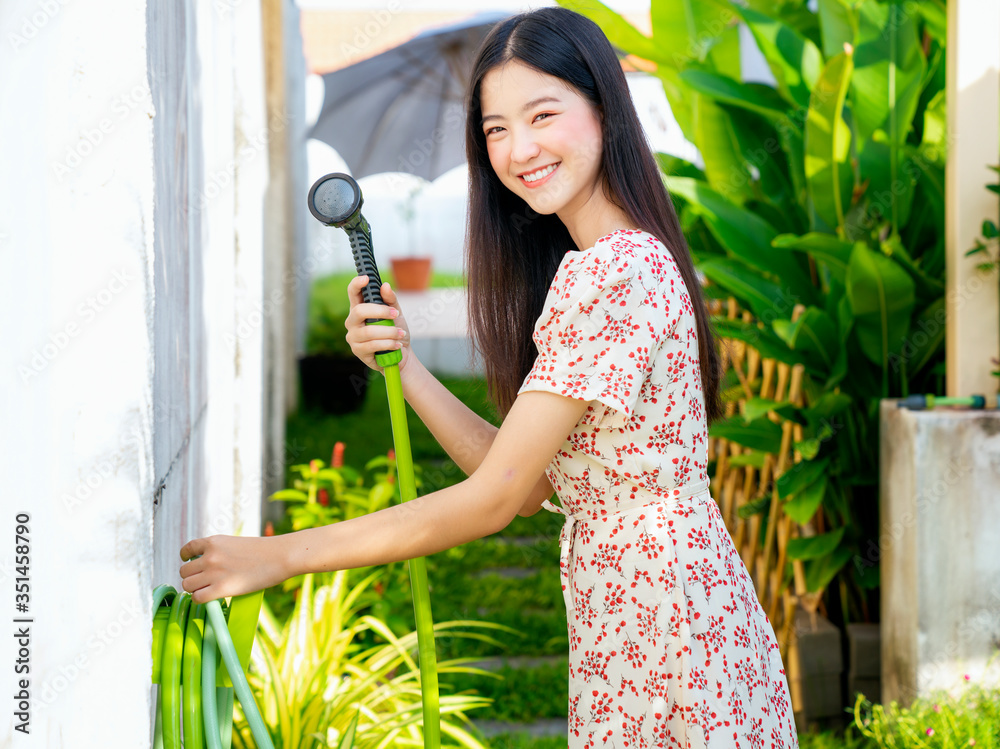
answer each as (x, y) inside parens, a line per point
(463, 434)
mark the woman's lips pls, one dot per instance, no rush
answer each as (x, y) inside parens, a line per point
(541, 181)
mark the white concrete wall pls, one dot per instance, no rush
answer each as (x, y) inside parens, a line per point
(937, 549)
(131, 374)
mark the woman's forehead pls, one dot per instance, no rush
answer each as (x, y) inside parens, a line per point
(515, 84)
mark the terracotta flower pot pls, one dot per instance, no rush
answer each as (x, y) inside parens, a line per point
(411, 273)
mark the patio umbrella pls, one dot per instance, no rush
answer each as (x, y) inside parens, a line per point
(403, 110)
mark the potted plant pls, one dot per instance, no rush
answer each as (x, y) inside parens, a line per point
(412, 272)
(333, 379)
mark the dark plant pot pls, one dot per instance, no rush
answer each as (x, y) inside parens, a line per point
(331, 383)
(411, 273)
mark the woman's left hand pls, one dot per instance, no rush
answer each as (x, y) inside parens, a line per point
(233, 565)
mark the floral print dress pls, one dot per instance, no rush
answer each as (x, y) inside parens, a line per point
(669, 646)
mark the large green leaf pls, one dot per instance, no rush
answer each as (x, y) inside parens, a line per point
(819, 572)
(757, 98)
(718, 145)
(839, 25)
(815, 335)
(814, 547)
(891, 182)
(800, 476)
(926, 337)
(687, 31)
(794, 60)
(760, 434)
(881, 295)
(824, 248)
(889, 67)
(619, 32)
(804, 504)
(745, 283)
(743, 234)
(827, 143)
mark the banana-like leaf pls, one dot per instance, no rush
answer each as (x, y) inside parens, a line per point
(619, 32)
(794, 60)
(804, 504)
(718, 145)
(688, 32)
(925, 338)
(815, 335)
(746, 284)
(889, 67)
(839, 24)
(754, 408)
(814, 547)
(827, 143)
(760, 434)
(819, 572)
(891, 180)
(881, 295)
(799, 476)
(824, 248)
(744, 235)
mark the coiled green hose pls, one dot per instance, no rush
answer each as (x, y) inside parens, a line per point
(185, 664)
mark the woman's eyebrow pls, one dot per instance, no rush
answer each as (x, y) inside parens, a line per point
(525, 108)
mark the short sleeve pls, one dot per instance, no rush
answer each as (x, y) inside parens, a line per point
(601, 324)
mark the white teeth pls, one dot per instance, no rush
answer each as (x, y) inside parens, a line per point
(534, 176)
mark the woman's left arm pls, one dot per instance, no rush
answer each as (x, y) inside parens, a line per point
(532, 432)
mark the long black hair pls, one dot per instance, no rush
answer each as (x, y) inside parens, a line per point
(511, 252)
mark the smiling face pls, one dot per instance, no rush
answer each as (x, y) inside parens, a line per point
(543, 139)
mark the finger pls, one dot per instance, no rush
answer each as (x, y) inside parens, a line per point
(193, 548)
(366, 311)
(354, 289)
(191, 567)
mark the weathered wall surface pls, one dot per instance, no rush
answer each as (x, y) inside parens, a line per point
(938, 549)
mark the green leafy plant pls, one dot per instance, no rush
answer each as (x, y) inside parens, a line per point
(967, 716)
(312, 678)
(323, 495)
(820, 208)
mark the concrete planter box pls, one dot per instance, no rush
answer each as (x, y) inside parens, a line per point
(939, 549)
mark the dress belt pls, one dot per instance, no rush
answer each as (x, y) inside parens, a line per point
(567, 537)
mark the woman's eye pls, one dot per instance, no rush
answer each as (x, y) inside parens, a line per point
(541, 114)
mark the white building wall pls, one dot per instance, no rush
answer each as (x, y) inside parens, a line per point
(131, 248)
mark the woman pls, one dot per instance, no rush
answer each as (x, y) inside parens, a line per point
(584, 304)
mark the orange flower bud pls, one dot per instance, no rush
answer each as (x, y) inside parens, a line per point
(324, 497)
(338, 455)
(269, 529)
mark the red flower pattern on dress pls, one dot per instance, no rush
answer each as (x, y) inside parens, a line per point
(669, 646)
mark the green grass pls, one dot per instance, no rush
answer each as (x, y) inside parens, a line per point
(524, 741)
(520, 695)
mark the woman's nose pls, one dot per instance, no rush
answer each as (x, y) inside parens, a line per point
(524, 148)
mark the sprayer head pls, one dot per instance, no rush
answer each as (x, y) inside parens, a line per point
(335, 200)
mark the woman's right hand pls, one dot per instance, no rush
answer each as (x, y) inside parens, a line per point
(364, 339)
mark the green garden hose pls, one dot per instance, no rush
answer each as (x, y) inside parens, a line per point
(335, 200)
(185, 665)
